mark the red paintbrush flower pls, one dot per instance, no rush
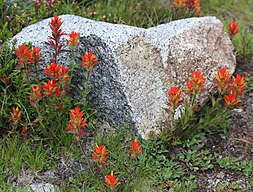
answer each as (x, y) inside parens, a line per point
(36, 54)
(89, 60)
(179, 4)
(73, 39)
(24, 56)
(77, 123)
(54, 40)
(222, 79)
(36, 95)
(238, 85)
(174, 95)
(196, 82)
(233, 29)
(111, 181)
(15, 115)
(100, 154)
(135, 148)
(49, 87)
(230, 100)
(194, 7)
(52, 70)
(55, 25)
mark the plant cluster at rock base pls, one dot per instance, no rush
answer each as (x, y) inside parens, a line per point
(212, 117)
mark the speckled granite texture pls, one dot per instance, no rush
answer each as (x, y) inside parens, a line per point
(137, 66)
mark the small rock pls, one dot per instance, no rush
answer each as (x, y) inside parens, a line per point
(220, 175)
(44, 187)
(238, 110)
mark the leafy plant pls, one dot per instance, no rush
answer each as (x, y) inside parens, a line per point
(244, 44)
(167, 170)
(136, 13)
(234, 163)
(186, 184)
(162, 166)
(17, 155)
(196, 159)
(36, 158)
(186, 120)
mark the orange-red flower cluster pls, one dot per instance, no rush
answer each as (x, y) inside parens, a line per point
(55, 25)
(77, 123)
(135, 148)
(24, 55)
(73, 39)
(238, 85)
(196, 82)
(193, 7)
(15, 115)
(36, 54)
(58, 72)
(230, 100)
(180, 4)
(100, 154)
(57, 86)
(36, 95)
(233, 29)
(27, 56)
(89, 60)
(222, 79)
(174, 95)
(60, 79)
(234, 89)
(49, 87)
(52, 70)
(111, 181)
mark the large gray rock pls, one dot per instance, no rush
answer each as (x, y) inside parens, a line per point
(137, 66)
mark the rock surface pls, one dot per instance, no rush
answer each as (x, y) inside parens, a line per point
(137, 66)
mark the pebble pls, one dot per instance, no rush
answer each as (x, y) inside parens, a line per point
(238, 110)
(220, 175)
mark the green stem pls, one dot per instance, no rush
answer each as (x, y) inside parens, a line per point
(172, 120)
(39, 117)
(37, 71)
(4, 100)
(193, 98)
(191, 105)
(14, 128)
(72, 63)
(26, 75)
